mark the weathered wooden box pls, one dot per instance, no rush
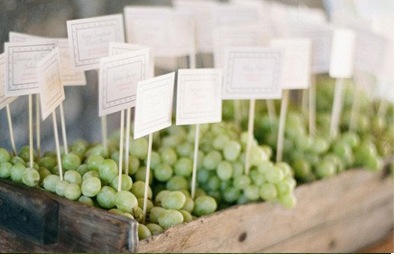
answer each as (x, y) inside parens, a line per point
(341, 214)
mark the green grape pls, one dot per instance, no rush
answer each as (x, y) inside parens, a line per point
(238, 169)
(4, 155)
(213, 183)
(94, 162)
(115, 156)
(212, 159)
(284, 187)
(47, 162)
(161, 196)
(274, 175)
(170, 141)
(257, 156)
(220, 141)
(83, 169)
(231, 194)
(257, 178)
(106, 197)
(108, 170)
(141, 175)
(225, 170)
(173, 200)
(50, 182)
(90, 174)
(177, 183)
(133, 165)
(16, 172)
(204, 205)
(149, 205)
(268, 192)
(139, 215)
(91, 186)
(185, 150)
(155, 160)
(155, 229)
(320, 145)
(31, 177)
(325, 169)
(24, 153)
(79, 147)
(96, 150)
(199, 192)
(60, 188)
(155, 214)
(183, 167)
(163, 172)
(143, 232)
(168, 156)
(202, 175)
(138, 148)
(5, 169)
(189, 204)
(185, 192)
(252, 192)
(302, 169)
(288, 200)
(187, 217)
(126, 182)
(126, 201)
(170, 218)
(72, 176)
(51, 154)
(242, 199)
(17, 160)
(43, 172)
(351, 139)
(86, 200)
(241, 182)
(72, 191)
(70, 161)
(373, 163)
(138, 188)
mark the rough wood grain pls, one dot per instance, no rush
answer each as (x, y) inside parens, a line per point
(81, 229)
(256, 227)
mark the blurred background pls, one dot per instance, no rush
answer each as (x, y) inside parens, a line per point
(48, 18)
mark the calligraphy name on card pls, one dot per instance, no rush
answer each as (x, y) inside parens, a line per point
(21, 60)
(199, 96)
(89, 39)
(118, 79)
(153, 110)
(252, 73)
(51, 87)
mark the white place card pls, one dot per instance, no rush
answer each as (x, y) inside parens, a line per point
(50, 83)
(199, 98)
(252, 73)
(69, 75)
(4, 100)
(342, 54)
(321, 38)
(89, 39)
(21, 61)
(168, 32)
(154, 102)
(246, 36)
(296, 62)
(116, 48)
(118, 79)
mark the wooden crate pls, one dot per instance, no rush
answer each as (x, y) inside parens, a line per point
(341, 214)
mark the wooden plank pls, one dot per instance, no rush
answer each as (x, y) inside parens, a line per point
(254, 227)
(81, 229)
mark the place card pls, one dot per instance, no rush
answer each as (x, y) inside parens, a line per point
(4, 100)
(342, 54)
(252, 73)
(89, 39)
(21, 61)
(118, 80)
(199, 96)
(50, 83)
(153, 110)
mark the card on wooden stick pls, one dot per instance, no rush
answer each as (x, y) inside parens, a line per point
(4, 100)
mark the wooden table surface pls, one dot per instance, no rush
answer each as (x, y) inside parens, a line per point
(386, 245)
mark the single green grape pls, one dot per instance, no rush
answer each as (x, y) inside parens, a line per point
(47, 162)
(126, 182)
(72, 176)
(225, 170)
(90, 174)
(143, 232)
(252, 192)
(138, 214)
(168, 156)
(61, 187)
(220, 141)
(126, 201)
(325, 169)
(204, 205)
(138, 148)
(285, 168)
(288, 200)
(274, 175)
(149, 204)
(257, 178)
(202, 175)
(161, 196)
(4, 155)
(43, 172)
(212, 159)
(79, 147)
(238, 169)
(108, 170)
(257, 156)
(173, 200)
(17, 160)
(31, 177)
(183, 167)
(187, 217)
(163, 172)
(284, 187)
(138, 189)
(185, 150)
(86, 200)
(82, 169)
(214, 183)
(170, 218)
(70, 161)
(241, 182)
(94, 162)
(176, 183)
(133, 165)
(91, 186)
(231, 194)
(155, 214)
(155, 229)
(5, 169)
(141, 175)
(268, 192)
(24, 153)
(302, 169)
(106, 197)
(50, 182)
